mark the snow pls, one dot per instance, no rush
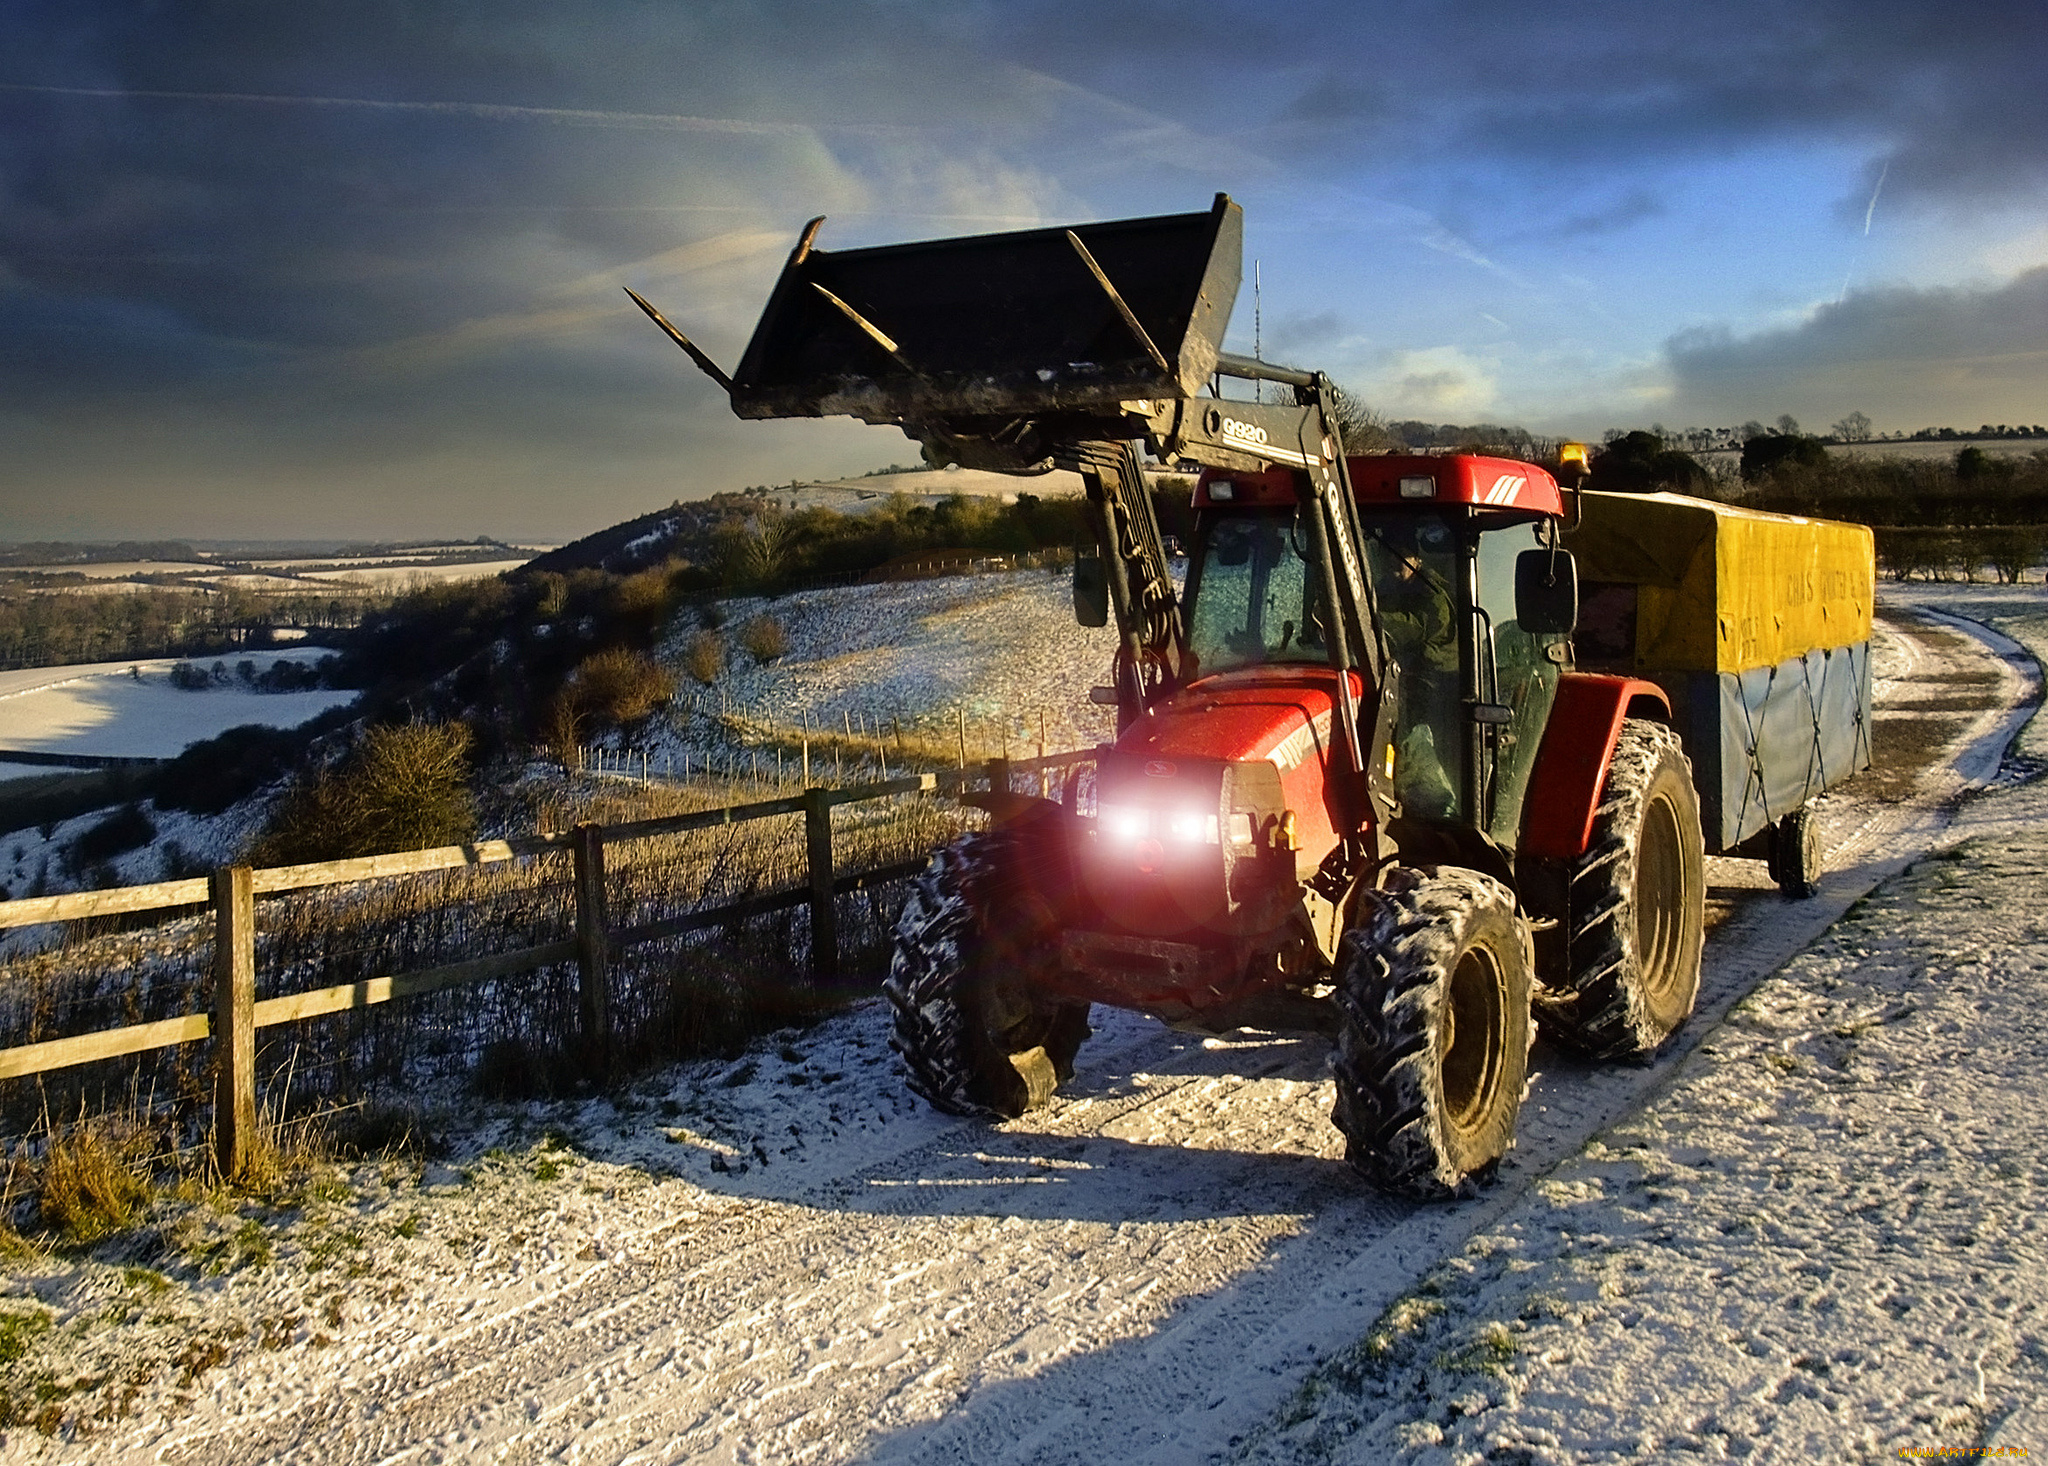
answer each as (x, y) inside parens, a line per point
(1826, 1237)
(106, 709)
(405, 575)
(1001, 648)
(1813, 1230)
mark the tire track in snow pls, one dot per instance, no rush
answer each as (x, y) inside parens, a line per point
(1135, 1274)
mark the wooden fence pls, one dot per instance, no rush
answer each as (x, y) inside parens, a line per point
(231, 891)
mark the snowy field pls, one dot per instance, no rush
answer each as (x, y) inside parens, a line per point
(131, 710)
(398, 577)
(1003, 649)
(1813, 1231)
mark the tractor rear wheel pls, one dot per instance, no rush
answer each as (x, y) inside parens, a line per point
(971, 1025)
(1432, 1055)
(1636, 907)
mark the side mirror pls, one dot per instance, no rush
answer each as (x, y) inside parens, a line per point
(1546, 592)
(1091, 591)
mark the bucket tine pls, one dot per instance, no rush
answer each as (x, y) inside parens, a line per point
(1138, 331)
(704, 363)
(874, 332)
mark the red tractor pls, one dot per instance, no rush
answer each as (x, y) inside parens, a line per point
(1358, 786)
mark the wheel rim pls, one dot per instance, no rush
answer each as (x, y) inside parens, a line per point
(1473, 1050)
(1660, 906)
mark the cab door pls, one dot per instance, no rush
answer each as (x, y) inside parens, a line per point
(1517, 670)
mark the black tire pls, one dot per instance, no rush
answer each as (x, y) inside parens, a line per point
(1432, 1056)
(1795, 858)
(1635, 909)
(975, 1036)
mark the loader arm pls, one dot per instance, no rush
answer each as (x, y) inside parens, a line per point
(1068, 346)
(1220, 432)
(1151, 638)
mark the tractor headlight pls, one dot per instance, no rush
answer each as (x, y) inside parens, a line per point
(1122, 821)
(1127, 822)
(1192, 827)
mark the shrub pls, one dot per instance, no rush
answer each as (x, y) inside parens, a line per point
(764, 639)
(1639, 463)
(208, 777)
(620, 687)
(704, 657)
(127, 828)
(401, 788)
(2012, 551)
(607, 690)
(1767, 453)
(642, 601)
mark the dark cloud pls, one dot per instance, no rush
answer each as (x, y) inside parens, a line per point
(1951, 96)
(1632, 208)
(1907, 357)
(1307, 330)
(420, 256)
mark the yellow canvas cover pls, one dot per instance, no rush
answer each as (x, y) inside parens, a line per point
(1722, 589)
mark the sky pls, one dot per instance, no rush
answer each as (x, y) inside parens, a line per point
(348, 270)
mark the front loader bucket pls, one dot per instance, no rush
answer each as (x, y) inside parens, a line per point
(997, 325)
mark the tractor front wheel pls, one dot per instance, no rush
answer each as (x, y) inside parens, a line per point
(970, 1027)
(1432, 1053)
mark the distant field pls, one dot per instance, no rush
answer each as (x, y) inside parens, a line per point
(402, 575)
(106, 710)
(115, 569)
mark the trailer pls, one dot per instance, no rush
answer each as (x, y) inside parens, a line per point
(1757, 627)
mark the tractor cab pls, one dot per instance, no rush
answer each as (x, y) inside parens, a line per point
(1473, 598)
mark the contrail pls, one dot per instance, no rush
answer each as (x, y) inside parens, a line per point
(1872, 210)
(487, 111)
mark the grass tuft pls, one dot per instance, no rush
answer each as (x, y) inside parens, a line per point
(94, 1182)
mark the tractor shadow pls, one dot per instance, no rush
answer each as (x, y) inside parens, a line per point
(1190, 1132)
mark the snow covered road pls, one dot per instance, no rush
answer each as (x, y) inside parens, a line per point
(787, 1259)
(1823, 1240)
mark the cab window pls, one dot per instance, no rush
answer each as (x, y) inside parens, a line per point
(1253, 599)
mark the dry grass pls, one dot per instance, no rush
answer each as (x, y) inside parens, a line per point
(94, 1180)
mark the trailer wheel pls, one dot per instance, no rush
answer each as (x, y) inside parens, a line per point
(1794, 858)
(975, 1037)
(1432, 1054)
(1636, 907)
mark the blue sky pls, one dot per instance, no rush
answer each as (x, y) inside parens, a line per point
(328, 269)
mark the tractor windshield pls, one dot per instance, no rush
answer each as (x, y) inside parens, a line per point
(1253, 599)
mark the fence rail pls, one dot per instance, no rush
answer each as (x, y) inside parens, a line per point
(231, 893)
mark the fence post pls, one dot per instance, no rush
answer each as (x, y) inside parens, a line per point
(593, 948)
(234, 1020)
(824, 915)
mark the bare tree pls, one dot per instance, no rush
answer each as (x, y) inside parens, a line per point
(1855, 428)
(1363, 430)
